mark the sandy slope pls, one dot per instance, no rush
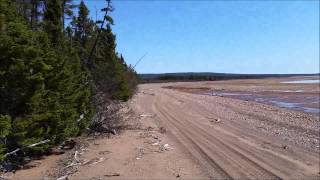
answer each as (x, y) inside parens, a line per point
(207, 137)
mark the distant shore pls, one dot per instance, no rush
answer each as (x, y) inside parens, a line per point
(208, 76)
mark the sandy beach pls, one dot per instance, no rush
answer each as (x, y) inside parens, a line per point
(181, 133)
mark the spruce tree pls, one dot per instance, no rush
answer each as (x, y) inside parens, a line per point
(84, 31)
(35, 13)
(44, 90)
(109, 72)
(52, 20)
(67, 10)
(82, 25)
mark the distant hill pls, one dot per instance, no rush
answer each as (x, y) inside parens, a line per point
(208, 76)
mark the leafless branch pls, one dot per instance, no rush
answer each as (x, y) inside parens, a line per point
(29, 146)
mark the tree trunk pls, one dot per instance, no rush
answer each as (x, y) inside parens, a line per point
(62, 8)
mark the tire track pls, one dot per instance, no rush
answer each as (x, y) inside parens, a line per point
(188, 142)
(239, 163)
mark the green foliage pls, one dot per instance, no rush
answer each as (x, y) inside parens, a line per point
(43, 89)
(52, 20)
(82, 32)
(46, 85)
(5, 125)
(109, 72)
(5, 129)
(109, 19)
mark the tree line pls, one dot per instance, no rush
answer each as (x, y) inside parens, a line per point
(52, 72)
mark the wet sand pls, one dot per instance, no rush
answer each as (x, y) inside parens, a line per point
(290, 93)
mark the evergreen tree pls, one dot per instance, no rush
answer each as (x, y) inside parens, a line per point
(109, 72)
(45, 90)
(35, 12)
(31, 10)
(82, 25)
(52, 20)
(24, 8)
(67, 10)
(84, 31)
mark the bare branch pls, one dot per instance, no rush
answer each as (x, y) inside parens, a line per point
(29, 146)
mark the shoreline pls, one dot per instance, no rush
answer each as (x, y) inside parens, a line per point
(180, 134)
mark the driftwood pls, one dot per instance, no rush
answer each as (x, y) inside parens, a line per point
(76, 161)
(111, 175)
(76, 156)
(63, 177)
(29, 146)
(151, 94)
(101, 159)
(146, 115)
(107, 118)
(80, 118)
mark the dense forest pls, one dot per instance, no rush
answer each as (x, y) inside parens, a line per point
(56, 64)
(207, 76)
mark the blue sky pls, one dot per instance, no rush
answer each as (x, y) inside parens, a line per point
(217, 36)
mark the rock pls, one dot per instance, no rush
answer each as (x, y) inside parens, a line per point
(146, 115)
(104, 152)
(68, 145)
(56, 151)
(113, 131)
(162, 130)
(165, 147)
(97, 134)
(155, 144)
(215, 120)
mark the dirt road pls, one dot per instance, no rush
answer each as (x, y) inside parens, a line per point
(237, 139)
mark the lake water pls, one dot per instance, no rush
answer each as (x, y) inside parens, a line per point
(299, 101)
(296, 106)
(314, 81)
